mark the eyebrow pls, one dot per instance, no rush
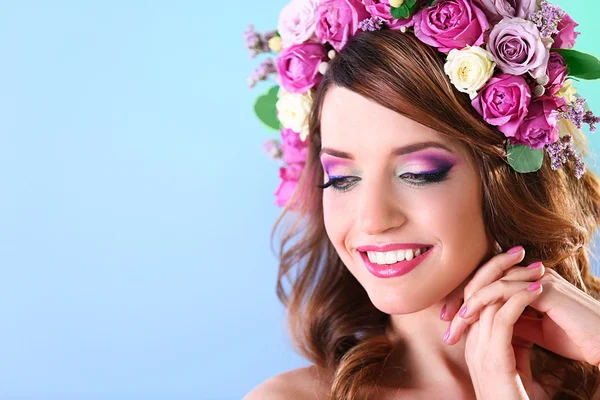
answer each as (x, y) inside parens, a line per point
(398, 151)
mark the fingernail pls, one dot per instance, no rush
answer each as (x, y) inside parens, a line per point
(443, 313)
(463, 311)
(447, 334)
(515, 249)
(534, 286)
(535, 264)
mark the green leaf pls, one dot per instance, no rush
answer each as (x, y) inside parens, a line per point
(410, 3)
(396, 12)
(523, 158)
(580, 65)
(404, 11)
(265, 109)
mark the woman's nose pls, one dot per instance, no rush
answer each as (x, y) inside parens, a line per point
(379, 209)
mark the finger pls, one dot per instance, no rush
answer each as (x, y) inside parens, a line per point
(507, 316)
(452, 305)
(520, 273)
(494, 269)
(499, 291)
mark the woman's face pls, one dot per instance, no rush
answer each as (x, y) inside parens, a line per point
(405, 185)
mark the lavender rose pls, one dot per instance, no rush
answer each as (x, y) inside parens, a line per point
(504, 102)
(540, 126)
(297, 22)
(566, 36)
(518, 47)
(293, 148)
(298, 66)
(451, 24)
(496, 10)
(557, 73)
(338, 20)
(382, 9)
(290, 175)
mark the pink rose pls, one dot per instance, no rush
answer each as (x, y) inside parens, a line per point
(557, 73)
(496, 10)
(540, 126)
(451, 24)
(298, 66)
(517, 46)
(566, 36)
(338, 20)
(504, 102)
(297, 22)
(382, 9)
(289, 181)
(293, 148)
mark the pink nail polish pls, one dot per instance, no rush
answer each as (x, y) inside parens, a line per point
(534, 265)
(534, 286)
(443, 313)
(515, 249)
(463, 311)
(446, 335)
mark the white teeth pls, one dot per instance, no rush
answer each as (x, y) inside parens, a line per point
(400, 255)
(392, 257)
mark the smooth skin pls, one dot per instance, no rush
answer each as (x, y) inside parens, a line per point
(382, 206)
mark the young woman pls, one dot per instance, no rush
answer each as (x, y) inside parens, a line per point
(407, 212)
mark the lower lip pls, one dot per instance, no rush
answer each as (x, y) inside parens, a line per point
(393, 270)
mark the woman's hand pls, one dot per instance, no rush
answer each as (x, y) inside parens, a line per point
(571, 323)
(499, 366)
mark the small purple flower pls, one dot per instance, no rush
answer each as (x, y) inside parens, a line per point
(547, 19)
(262, 72)
(272, 149)
(562, 151)
(576, 113)
(257, 43)
(371, 24)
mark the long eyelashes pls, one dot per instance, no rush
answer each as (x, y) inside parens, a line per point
(344, 183)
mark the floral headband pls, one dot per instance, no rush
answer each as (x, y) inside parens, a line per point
(512, 57)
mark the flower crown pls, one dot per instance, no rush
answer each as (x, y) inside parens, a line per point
(512, 58)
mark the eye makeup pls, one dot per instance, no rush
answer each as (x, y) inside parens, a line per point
(429, 161)
(416, 169)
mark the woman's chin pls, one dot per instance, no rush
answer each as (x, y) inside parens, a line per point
(392, 302)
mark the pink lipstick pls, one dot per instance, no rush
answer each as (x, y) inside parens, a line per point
(392, 270)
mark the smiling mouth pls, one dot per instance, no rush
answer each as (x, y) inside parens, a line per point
(393, 269)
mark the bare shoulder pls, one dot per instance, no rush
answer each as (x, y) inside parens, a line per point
(298, 384)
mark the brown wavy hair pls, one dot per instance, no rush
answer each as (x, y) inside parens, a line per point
(552, 214)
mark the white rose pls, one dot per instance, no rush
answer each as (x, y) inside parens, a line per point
(567, 91)
(297, 22)
(469, 69)
(293, 110)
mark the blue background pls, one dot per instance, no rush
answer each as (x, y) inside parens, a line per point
(136, 203)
